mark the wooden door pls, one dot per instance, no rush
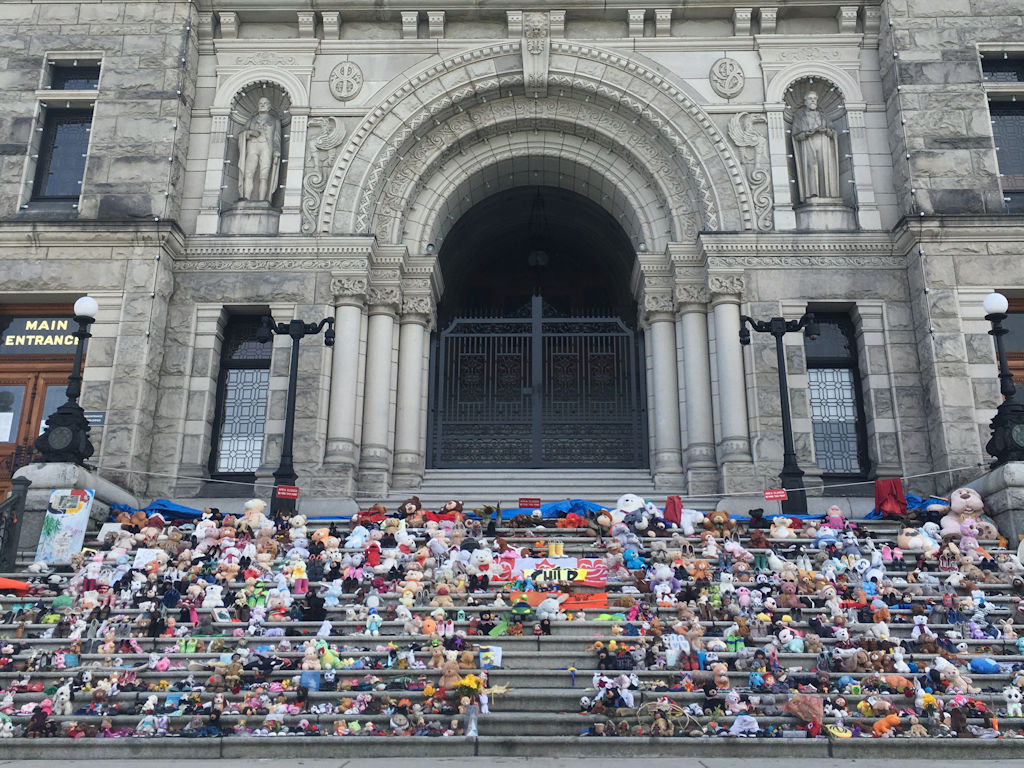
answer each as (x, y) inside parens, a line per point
(29, 392)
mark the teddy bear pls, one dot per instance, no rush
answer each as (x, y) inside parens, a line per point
(717, 521)
(214, 596)
(298, 527)
(964, 503)
(450, 672)
(782, 529)
(1012, 696)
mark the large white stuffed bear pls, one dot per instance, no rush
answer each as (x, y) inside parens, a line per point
(964, 503)
(551, 608)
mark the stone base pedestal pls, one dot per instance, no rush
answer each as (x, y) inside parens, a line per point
(50, 477)
(823, 215)
(702, 481)
(669, 481)
(1003, 492)
(250, 218)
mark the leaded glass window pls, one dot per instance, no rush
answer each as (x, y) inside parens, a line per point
(1008, 132)
(241, 399)
(837, 420)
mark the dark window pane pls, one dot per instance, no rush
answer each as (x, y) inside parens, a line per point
(66, 78)
(1014, 323)
(240, 340)
(1008, 132)
(62, 154)
(834, 419)
(1000, 70)
(834, 342)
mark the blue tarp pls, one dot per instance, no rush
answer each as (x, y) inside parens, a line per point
(554, 509)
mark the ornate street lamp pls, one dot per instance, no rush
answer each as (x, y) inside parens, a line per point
(296, 329)
(791, 477)
(66, 437)
(1007, 441)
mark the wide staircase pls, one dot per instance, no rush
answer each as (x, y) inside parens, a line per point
(601, 669)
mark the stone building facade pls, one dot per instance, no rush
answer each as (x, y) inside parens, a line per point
(670, 128)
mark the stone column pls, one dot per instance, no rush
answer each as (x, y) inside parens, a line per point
(341, 456)
(291, 171)
(701, 467)
(375, 452)
(668, 455)
(409, 454)
(734, 439)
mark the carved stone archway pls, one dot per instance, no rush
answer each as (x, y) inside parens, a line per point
(464, 104)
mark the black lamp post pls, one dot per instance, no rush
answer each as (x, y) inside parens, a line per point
(66, 437)
(296, 329)
(792, 477)
(1007, 441)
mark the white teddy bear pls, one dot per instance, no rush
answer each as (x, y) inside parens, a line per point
(550, 608)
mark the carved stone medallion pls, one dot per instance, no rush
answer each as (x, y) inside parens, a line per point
(346, 81)
(727, 78)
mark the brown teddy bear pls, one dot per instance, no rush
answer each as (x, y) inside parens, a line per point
(717, 522)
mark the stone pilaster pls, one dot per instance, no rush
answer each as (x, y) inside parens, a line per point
(699, 439)
(667, 464)
(414, 329)
(375, 450)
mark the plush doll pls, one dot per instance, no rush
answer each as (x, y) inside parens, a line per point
(1012, 696)
(717, 521)
(782, 529)
(450, 672)
(964, 503)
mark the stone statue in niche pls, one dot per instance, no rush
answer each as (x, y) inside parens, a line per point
(816, 152)
(259, 155)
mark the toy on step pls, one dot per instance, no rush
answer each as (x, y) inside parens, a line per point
(1012, 696)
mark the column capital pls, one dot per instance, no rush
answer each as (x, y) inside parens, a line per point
(659, 307)
(418, 309)
(691, 297)
(384, 299)
(726, 287)
(348, 289)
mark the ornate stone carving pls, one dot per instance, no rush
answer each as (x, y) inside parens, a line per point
(346, 81)
(536, 45)
(658, 303)
(417, 305)
(384, 296)
(264, 265)
(727, 78)
(753, 147)
(264, 58)
(691, 294)
(348, 286)
(726, 284)
(809, 54)
(319, 159)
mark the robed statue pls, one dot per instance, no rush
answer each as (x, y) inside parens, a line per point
(259, 155)
(816, 152)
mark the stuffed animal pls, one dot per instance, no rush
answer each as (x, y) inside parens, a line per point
(717, 521)
(782, 529)
(551, 608)
(1012, 696)
(964, 503)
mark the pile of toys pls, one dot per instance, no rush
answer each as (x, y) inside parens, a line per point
(639, 620)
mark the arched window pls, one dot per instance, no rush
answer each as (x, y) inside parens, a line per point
(241, 400)
(837, 409)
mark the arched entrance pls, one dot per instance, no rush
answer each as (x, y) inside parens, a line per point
(536, 362)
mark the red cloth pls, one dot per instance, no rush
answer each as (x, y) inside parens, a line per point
(373, 555)
(889, 498)
(438, 517)
(673, 510)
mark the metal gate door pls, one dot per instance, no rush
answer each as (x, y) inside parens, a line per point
(536, 392)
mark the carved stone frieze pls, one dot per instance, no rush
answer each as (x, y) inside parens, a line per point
(730, 285)
(753, 147)
(264, 265)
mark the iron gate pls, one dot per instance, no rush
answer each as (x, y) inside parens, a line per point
(537, 391)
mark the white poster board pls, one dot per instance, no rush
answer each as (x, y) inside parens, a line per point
(67, 517)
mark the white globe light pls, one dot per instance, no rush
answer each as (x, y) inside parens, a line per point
(995, 304)
(86, 307)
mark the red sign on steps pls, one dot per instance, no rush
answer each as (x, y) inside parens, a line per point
(287, 491)
(529, 503)
(775, 494)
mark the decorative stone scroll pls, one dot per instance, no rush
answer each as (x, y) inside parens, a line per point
(418, 305)
(658, 303)
(753, 147)
(320, 156)
(384, 297)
